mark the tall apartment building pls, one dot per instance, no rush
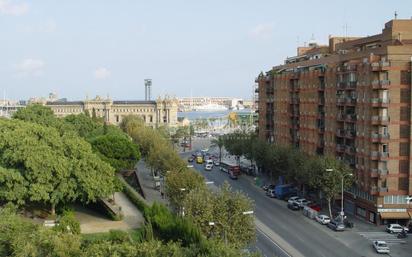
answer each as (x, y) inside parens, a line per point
(351, 99)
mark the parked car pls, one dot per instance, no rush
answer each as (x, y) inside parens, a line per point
(265, 187)
(395, 228)
(293, 206)
(314, 206)
(232, 175)
(380, 246)
(322, 219)
(271, 193)
(216, 162)
(208, 167)
(302, 202)
(270, 188)
(287, 197)
(208, 162)
(337, 226)
(293, 199)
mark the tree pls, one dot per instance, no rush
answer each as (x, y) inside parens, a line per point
(218, 142)
(117, 150)
(82, 123)
(225, 209)
(327, 177)
(42, 115)
(53, 168)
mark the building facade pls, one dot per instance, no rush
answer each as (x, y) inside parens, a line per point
(351, 99)
(163, 111)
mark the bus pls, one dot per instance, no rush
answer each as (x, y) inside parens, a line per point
(231, 168)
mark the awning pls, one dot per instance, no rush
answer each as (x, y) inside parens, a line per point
(395, 215)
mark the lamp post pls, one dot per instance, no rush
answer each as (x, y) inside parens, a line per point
(342, 213)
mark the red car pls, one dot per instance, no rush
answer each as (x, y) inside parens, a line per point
(314, 207)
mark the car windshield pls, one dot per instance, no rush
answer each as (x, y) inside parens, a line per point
(382, 245)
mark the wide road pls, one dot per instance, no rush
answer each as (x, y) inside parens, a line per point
(305, 236)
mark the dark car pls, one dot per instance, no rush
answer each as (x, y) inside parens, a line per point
(293, 206)
(270, 187)
(191, 159)
(232, 176)
(337, 226)
(287, 196)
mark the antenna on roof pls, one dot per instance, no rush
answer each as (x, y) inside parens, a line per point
(396, 15)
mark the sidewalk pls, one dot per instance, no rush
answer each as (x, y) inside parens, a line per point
(147, 183)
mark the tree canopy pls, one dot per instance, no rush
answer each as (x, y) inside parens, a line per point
(46, 167)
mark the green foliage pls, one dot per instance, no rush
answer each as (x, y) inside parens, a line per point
(53, 168)
(133, 196)
(13, 186)
(82, 123)
(219, 143)
(68, 223)
(117, 150)
(225, 208)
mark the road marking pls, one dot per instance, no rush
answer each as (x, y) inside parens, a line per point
(277, 240)
(388, 238)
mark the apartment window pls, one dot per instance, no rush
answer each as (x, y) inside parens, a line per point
(403, 149)
(405, 95)
(405, 113)
(404, 131)
(404, 166)
(403, 183)
(385, 148)
(405, 77)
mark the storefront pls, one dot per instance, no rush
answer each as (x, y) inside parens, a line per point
(399, 216)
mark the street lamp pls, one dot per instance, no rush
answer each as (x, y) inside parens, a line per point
(342, 214)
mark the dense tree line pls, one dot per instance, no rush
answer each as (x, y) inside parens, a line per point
(323, 173)
(187, 191)
(22, 238)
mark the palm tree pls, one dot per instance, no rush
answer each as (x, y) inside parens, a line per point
(218, 142)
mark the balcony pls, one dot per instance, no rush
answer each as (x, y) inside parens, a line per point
(383, 190)
(351, 67)
(340, 132)
(351, 85)
(350, 101)
(376, 155)
(377, 138)
(383, 172)
(341, 117)
(374, 190)
(374, 173)
(379, 120)
(340, 148)
(378, 66)
(350, 150)
(341, 85)
(340, 101)
(380, 84)
(351, 118)
(379, 102)
(350, 133)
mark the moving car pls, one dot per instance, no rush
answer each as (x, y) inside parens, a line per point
(337, 226)
(191, 159)
(199, 159)
(395, 228)
(208, 167)
(322, 219)
(293, 206)
(380, 246)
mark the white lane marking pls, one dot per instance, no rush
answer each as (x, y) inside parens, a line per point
(273, 242)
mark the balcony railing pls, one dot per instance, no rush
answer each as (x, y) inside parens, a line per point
(351, 117)
(340, 132)
(341, 84)
(341, 100)
(379, 101)
(340, 148)
(350, 100)
(383, 171)
(383, 189)
(377, 136)
(351, 85)
(376, 119)
(380, 84)
(350, 133)
(374, 173)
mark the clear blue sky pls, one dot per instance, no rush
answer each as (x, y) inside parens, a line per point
(98, 47)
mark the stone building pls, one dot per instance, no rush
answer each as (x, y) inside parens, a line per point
(163, 111)
(351, 99)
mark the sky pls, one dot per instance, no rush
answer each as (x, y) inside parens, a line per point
(79, 49)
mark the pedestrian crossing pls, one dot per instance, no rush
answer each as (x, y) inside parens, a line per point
(390, 239)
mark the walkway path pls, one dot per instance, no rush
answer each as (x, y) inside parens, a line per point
(147, 183)
(93, 222)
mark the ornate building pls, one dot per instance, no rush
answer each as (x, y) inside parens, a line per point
(163, 111)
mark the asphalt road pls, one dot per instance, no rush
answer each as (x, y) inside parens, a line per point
(304, 235)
